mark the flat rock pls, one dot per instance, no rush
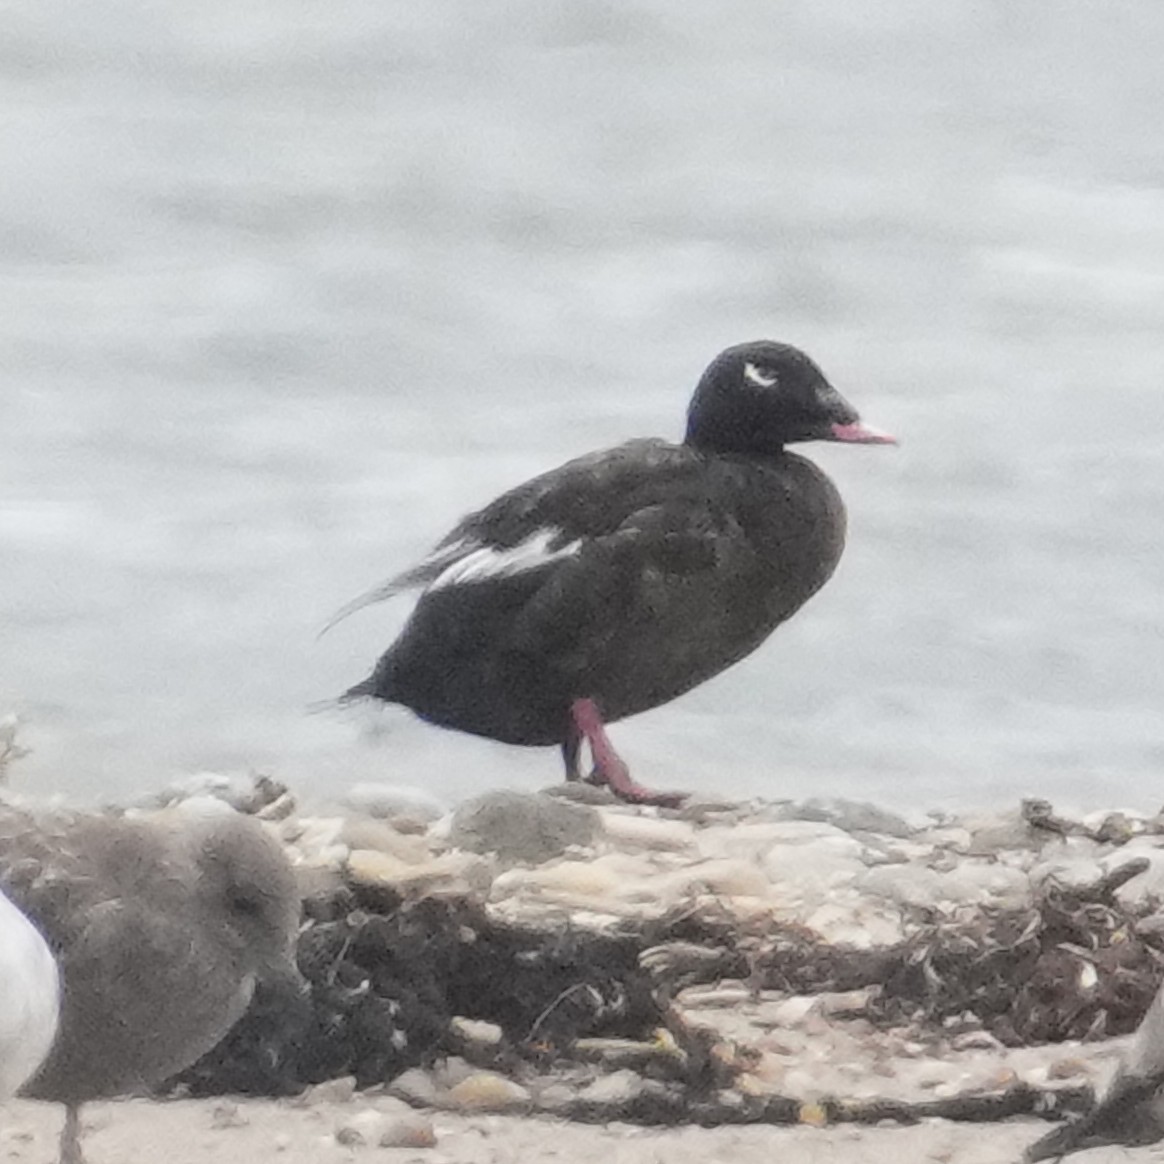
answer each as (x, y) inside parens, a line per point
(1145, 885)
(244, 792)
(990, 834)
(616, 1089)
(331, 1091)
(580, 792)
(408, 1131)
(384, 801)
(722, 877)
(754, 840)
(635, 831)
(415, 1086)
(486, 1091)
(622, 883)
(851, 816)
(815, 867)
(364, 832)
(522, 827)
(476, 1032)
(1070, 872)
(849, 918)
(450, 873)
(386, 1127)
(971, 883)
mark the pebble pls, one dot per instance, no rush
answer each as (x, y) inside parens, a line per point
(415, 1086)
(971, 883)
(645, 832)
(618, 1088)
(723, 876)
(990, 834)
(752, 840)
(1148, 884)
(463, 874)
(388, 1129)
(1115, 825)
(452, 1070)
(227, 1115)
(243, 792)
(723, 994)
(815, 865)
(605, 877)
(411, 1131)
(522, 827)
(385, 801)
(476, 1031)
(279, 809)
(846, 1003)
(1070, 1067)
(792, 1011)
(339, 1090)
(853, 816)
(976, 1041)
(318, 882)
(368, 833)
(581, 792)
(1069, 872)
(487, 1091)
(848, 919)
(311, 835)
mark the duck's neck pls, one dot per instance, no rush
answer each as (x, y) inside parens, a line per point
(735, 443)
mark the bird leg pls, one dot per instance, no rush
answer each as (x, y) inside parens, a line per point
(71, 1135)
(571, 752)
(609, 768)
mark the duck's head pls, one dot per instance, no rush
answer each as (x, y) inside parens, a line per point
(758, 397)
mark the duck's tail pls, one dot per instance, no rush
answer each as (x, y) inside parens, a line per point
(364, 690)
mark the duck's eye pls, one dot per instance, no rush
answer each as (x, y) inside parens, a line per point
(764, 377)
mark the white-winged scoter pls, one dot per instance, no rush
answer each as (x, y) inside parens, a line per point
(626, 577)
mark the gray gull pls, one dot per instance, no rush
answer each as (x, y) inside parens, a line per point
(161, 926)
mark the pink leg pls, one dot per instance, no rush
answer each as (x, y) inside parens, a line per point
(609, 768)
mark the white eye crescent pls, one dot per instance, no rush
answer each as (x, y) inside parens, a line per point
(763, 379)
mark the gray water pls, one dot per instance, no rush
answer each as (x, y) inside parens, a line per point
(288, 286)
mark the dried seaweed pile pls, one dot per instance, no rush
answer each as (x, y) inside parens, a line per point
(388, 976)
(1074, 964)
(1065, 968)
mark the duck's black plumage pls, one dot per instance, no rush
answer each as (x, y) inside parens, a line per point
(626, 577)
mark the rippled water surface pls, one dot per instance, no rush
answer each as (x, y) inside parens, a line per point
(286, 287)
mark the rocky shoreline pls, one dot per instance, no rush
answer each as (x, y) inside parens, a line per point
(815, 963)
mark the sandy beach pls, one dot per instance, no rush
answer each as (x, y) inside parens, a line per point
(535, 977)
(262, 1131)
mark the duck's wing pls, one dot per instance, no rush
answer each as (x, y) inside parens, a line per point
(542, 519)
(658, 578)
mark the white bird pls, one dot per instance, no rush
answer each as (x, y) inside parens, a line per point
(29, 998)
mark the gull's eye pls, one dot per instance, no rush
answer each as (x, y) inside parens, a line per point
(763, 377)
(244, 904)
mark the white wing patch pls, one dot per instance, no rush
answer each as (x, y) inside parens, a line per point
(487, 562)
